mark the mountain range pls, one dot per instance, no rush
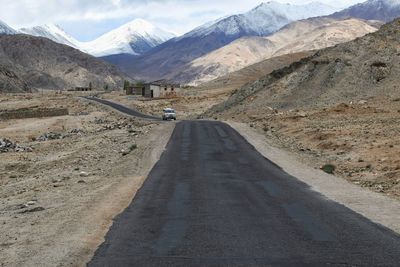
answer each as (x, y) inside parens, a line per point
(263, 20)
(134, 38)
(139, 36)
(299, 36)
(383, 10)
(167, 60)
(146, 52)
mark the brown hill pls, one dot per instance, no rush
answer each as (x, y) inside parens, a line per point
(10, 82)
(253, 72)
(366, 67)
(35, 62)
(304, 35)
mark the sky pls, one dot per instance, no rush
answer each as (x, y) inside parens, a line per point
(88, 19)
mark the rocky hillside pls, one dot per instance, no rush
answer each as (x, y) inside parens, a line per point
(349, 72)
(36, 62)
(10, 82)
(252, 73)
(304, 35)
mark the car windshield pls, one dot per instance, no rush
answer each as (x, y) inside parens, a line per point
(170, 111)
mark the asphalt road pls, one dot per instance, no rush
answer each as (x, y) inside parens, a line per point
(124, 109)
(213, 200)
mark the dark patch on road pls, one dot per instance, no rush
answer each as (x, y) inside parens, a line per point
(209, 202)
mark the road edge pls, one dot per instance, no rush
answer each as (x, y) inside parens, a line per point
(374, 206)
(148, 161)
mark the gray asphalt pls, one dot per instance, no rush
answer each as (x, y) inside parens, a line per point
(213, 200)
(124, 109)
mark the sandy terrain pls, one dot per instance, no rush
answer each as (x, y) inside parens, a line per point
(57, 202)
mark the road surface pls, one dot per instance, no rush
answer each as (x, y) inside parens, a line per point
(123, 109)
(213, 200)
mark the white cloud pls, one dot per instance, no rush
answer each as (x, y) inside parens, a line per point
(178, 16)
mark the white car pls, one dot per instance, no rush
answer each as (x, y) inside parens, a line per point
(169, 114)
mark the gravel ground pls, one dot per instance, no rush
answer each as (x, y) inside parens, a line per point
(58, 201)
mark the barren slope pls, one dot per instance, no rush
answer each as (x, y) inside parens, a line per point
(305, 35)
(237, 79)
(365, 67)
(10, 82)
(42, 63)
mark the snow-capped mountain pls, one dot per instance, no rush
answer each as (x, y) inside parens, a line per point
(298, 36)
(264, 19)
(5, 29)
(52, 32)
(383, 10)
(135, 38)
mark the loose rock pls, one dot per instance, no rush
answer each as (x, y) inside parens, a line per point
(83, 174)
(50, 136)
(9, 146)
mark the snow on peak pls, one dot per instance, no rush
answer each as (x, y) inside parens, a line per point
(5, 29)
(264, 19)
(135, 37)
(139, 26)
(387, 2)
(383, 10)
(294, 12)
(52, 32)
(144, 28)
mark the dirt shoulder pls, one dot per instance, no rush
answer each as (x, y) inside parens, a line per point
(357, 140)
(58, 199)
(375, 206)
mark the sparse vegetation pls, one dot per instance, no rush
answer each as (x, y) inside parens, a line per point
(329, 168)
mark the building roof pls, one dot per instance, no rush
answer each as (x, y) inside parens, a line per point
(163, 83)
